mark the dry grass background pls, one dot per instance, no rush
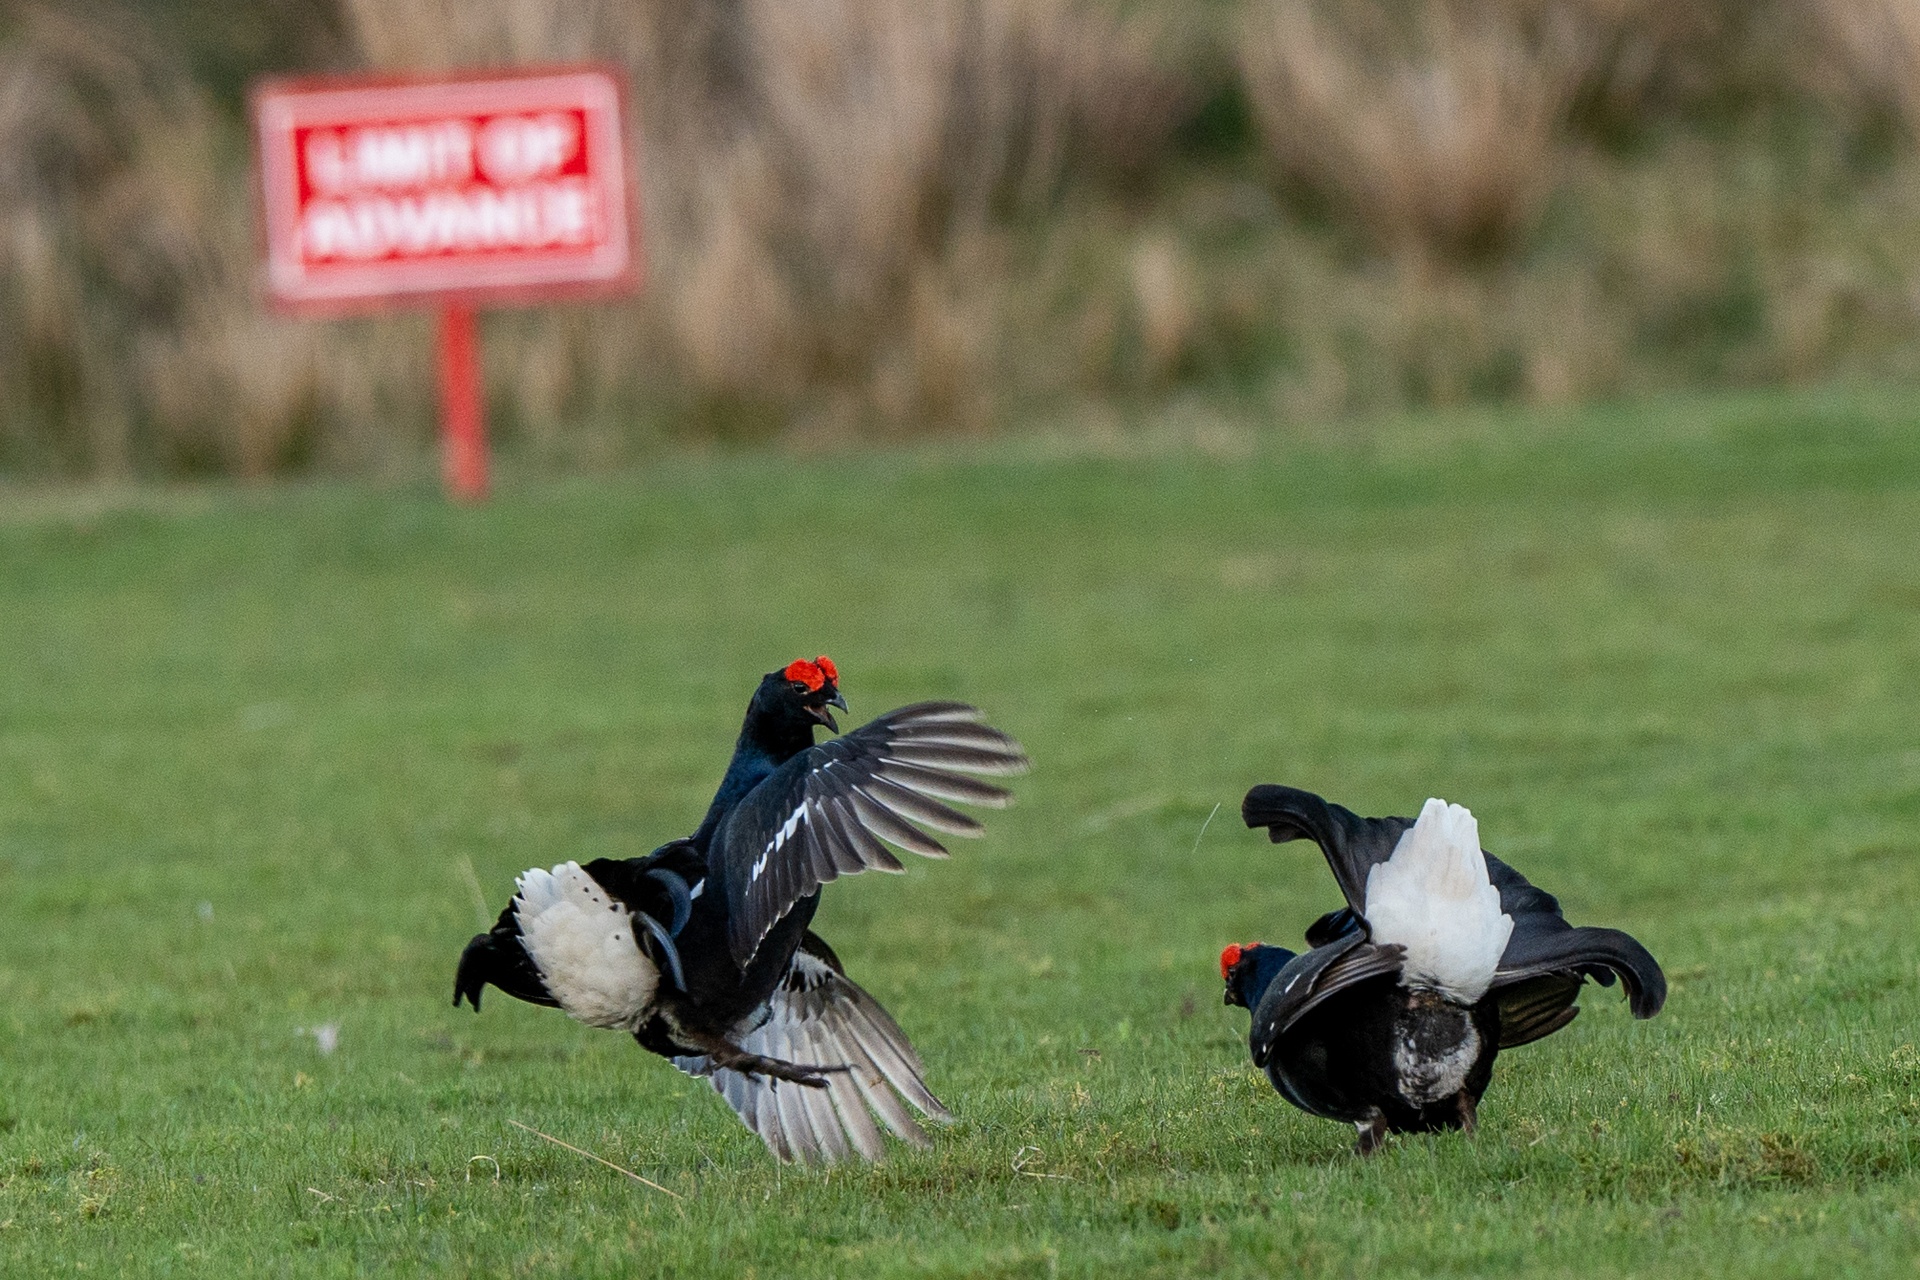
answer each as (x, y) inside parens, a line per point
(891, 216)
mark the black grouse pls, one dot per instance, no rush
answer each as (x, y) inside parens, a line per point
(701, 949)
(1443, 956)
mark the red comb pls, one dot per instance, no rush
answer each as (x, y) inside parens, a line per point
(826, 666)
(1229, 958)
(806, 673)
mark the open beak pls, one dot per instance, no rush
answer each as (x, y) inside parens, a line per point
(825, 716)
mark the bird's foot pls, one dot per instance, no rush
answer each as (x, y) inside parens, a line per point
(1373, 1135)
(813, 1077)
(734, 1058)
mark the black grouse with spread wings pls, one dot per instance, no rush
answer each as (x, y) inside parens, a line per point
(701, 950)
(1443, 956)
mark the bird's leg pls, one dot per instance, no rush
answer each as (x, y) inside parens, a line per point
(1469, 1111)
(731, 1056)
(1373, 1135)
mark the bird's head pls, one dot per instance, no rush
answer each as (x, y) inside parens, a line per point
(798, 695)
(1248, 968)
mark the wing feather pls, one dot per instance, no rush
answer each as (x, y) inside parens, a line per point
(924, 809)
(849, 1105)
(873, 855)
(897, 1061)
(1552, 946)
(1536, 1008)
(945, 786)
(876, 817)
(938, 712)
(838, 845)
(1310, 979)
(826, 812)
(935, 755)
(1351, 844)
(827, 1128)
(793, 1122)
(882, 1088)
(820, 854)
(774, 1041)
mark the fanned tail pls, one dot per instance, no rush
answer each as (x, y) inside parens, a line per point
(1435, 898)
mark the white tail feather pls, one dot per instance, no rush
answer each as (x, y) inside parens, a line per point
(1433, 897)
(582, 942)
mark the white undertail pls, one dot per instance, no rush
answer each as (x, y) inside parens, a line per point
(581, 940)
(1433, 897)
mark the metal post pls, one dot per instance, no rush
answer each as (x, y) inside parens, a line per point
(463, 421)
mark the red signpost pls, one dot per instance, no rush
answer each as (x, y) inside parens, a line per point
(511, 188)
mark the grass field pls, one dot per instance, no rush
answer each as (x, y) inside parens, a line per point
(257, 747)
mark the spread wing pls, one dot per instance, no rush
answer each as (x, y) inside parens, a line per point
(1310, 979)
(826, 812)
(1352, 844)
(819, 1017)
(1547, 959)
(1558, 949)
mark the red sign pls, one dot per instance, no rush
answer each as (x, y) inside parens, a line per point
(511, 186)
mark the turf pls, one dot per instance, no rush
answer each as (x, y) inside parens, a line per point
(263, 752)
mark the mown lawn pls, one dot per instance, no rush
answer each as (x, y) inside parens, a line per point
(259, 751)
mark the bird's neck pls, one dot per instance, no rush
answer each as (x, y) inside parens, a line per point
(763, 746)
(1267, 964)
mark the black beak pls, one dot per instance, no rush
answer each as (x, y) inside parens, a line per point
(825, 716)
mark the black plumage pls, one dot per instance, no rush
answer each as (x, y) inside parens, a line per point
(703, 952)
(1347, 1030)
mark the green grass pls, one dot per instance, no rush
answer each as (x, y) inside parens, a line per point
(251, 741)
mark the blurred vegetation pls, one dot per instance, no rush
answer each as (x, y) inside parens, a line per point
(887, 217)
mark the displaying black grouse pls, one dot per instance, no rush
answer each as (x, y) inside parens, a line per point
(1443, 956)
(701, 949)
